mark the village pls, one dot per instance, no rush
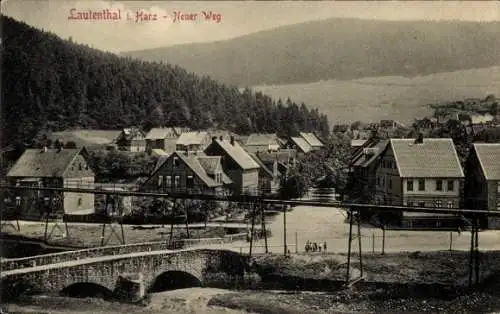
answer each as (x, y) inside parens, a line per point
(389, 164)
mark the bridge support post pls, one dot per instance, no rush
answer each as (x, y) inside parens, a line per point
(474, 252)
(51, 212)
(110, 219)
(186, 219)
(263, 225)
(172, 215)
(252, 230)
(353, 213)
(285, 249)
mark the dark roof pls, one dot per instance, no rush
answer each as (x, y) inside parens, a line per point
(489, 158)
(263, 166)
(238, 154)
(210, 163)
(435, 157)
(193, 163)
(377, 148)
(40, 163)
(302, 144)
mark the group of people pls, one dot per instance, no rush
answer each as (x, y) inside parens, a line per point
(314, 247)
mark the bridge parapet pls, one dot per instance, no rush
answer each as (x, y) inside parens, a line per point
(53, 258)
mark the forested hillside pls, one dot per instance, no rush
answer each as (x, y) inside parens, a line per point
(50, 83)
(339, 49)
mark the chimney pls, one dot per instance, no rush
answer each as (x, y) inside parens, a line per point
(221, 138)
(420, 138)
(232, 140)
(214, 138)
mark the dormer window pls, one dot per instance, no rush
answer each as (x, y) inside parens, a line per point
(176, 161)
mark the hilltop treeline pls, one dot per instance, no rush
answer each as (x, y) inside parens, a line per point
(53, 84)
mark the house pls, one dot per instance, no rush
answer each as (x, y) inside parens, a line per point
(262, 142)
(300, 144)
(286, 158)
(483, 179)
(312, 140)
(356, 144)
(419, 172)
(269, 175)
(237, 164)
(164, 138)
(184, 173)
(56, 168)
(364, 163)
(132, 140)
(195, 141)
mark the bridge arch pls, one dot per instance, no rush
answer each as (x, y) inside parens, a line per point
(87, 289)
(174, 279)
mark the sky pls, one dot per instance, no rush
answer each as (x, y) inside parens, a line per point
(236, 18)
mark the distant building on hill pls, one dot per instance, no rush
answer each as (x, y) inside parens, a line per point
(132, 140)
(164, 138)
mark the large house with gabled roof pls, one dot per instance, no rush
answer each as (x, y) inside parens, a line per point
(237, 164)
(192, 141)
(419, 172)
(189, 173)
(483, 179)
(52, 168)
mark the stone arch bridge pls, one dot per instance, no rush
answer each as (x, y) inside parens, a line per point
(105, 271)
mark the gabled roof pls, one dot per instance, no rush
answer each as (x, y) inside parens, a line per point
(162, 133)
(377, 148)
(131, 134)
(192, 138)
(260, 139)
(238, 154)
(262, 165)
(302, 144)
(489, 158)
(311, 139)
(357, 143)
(43, 164)
(158, 152)
(193, 163)
(434, 158)
(212, 165)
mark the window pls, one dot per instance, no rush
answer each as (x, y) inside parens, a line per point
(160, 180)
(421, 204)
(421, 185)
(439, 185)
(409, 185)
(189, 182)
(168, 181)
(177, 181)
(390, 183)
(80, 167)
(80, 201)
(450, 204)
(451, 185)
(176, 161)
(438, 203)
(411, 204)
(18, 201)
